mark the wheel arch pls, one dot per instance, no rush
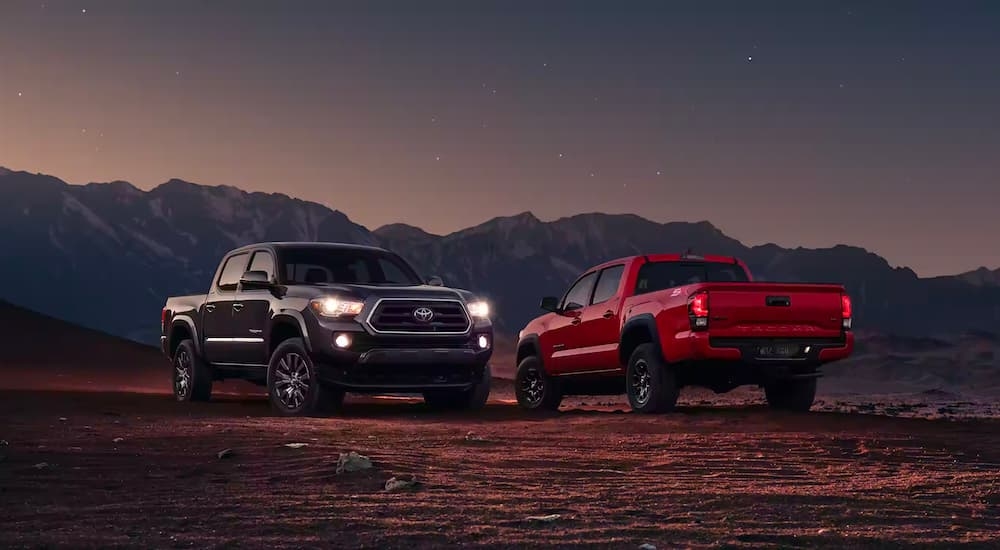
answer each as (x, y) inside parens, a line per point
(638, 330)
(528, 346)
(181, 328)
(284, 326)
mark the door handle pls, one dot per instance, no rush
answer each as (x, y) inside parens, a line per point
(237, 307)
(210, 307)
(575, 321)
(608, 314)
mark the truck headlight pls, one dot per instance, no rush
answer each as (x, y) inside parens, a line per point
(478, 308)
(336, 307)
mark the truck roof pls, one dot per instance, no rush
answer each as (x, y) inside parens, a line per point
(671, 258)
(315, 244)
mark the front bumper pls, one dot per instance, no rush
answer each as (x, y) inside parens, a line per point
(401, 363)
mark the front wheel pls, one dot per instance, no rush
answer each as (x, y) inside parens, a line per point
(191, 377)
(293, 386)
(791, 395)
(473, 398)
(536, 390)
(651, 385)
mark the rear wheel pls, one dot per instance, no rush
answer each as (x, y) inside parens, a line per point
(536, 390)
(650, 382)
(473, 398)
(293, 386)
(791, 395)
(191, 377)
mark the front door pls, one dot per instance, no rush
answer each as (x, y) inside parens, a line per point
(219, 328)
(562, 335)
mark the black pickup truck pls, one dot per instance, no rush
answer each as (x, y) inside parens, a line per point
(311, 321)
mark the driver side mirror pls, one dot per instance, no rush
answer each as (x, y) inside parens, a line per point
(435, 281)
(550, 303)
(255, 280)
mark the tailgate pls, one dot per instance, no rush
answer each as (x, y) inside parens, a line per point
(774, 310)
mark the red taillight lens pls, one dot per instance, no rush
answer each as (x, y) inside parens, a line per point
(698, 310)
(699, 304)
(846, 310)
(163, 319)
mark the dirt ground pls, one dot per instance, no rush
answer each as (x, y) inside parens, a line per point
(91, 469)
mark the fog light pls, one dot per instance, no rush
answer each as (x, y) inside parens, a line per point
(342, 341)
(484, 342)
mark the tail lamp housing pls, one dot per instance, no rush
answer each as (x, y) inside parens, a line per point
(846, 311)
(698, 310)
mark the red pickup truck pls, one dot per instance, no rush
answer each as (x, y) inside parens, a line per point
(649, 325)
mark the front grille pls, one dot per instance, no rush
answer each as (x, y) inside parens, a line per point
(397, 316)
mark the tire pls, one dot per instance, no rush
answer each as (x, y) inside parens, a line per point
(536, 390)
(791, 395)
(470, 399)
(191, 377)
(650, 382)
(293, 386)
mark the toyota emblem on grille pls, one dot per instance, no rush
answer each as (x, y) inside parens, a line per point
(423, 314)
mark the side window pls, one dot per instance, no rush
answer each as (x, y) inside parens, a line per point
(579, 293)
(262, 261)
(232, 271)
(607, 284)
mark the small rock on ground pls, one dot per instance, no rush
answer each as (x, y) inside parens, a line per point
(402, 483)
(352, 462)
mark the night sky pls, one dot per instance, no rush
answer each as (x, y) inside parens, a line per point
(801, 123)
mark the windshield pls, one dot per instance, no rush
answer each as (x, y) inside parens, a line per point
(661, 275)
(320, 265)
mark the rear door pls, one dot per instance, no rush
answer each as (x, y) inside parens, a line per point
(251, 312)
(222, 340)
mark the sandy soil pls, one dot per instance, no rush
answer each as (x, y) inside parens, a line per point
(89, 469)
(111, 461)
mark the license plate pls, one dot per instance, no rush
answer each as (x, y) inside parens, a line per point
(778, 350)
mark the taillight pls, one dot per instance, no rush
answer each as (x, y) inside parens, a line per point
(698, 310)
(163, 319)
(846, 311)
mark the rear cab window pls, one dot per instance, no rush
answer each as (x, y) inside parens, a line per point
(656, 276)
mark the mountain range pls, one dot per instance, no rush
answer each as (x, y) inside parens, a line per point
(106, 255)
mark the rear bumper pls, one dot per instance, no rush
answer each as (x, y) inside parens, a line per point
(812, 351)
